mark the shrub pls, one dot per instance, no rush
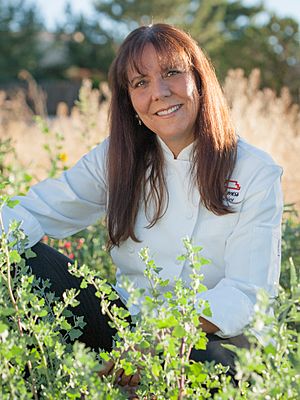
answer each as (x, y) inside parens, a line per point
(36, 360)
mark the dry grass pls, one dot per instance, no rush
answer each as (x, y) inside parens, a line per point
(78, 130)
(268, 121)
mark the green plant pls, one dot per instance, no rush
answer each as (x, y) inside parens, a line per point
(15, 179)
(164, 333)
(36, 360)
(270, 369)
(290, 244)
(88, 106)
(56, 155)
(88, 247)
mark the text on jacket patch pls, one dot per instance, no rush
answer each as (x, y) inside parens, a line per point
(233, 187)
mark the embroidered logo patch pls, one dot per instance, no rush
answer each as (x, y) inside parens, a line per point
(232, 184)
(233, 187)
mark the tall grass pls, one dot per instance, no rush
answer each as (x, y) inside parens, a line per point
(270, 122)
(266, 120)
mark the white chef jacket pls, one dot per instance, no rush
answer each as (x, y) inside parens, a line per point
(244, 246)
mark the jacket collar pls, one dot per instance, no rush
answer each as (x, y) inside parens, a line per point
(184, 155)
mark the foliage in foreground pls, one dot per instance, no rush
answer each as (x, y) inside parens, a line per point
(36, 360)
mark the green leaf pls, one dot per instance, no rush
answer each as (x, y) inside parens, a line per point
(12, 203)
(179, 332)
(7, 311)
(204, 261)
(169, 322)
(207, 312)
(196, 370)
(128, 368)
(155, 369)
(144, 344)
(164, 283)
(27, 177)
(201, 344)
(75, 334)
(172, 349)
(3, 185)
(65, 325)
(3, 327)
(43, 313)
(201, 378)
(83, 284)
(16, 350)
(105, 356)
(67, 313)
(270, 349)
(14, 256)
(112, 296)
(29, 254)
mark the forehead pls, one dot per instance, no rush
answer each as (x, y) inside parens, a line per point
(149, 58)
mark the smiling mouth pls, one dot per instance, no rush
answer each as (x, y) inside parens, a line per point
(168, 111)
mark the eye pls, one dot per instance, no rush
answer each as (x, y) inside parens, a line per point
(172, 72)
(140, 83)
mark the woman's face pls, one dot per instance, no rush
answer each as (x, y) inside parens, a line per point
(165, 99)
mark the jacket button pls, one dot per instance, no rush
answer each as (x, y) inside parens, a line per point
(130, 249)
(189, 214)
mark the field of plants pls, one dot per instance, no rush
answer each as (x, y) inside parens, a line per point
(36, 358)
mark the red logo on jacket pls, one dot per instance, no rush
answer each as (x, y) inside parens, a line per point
(232, 184)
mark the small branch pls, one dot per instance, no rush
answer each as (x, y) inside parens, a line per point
(13, 300)
(182, 370)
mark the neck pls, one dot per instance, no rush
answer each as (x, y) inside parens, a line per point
(176, 148)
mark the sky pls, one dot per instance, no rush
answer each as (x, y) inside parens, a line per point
(53, 10)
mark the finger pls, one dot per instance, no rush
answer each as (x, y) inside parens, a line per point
(118, 375)
(133, 396)
(135, 380)
(124, 380)
(107, 368)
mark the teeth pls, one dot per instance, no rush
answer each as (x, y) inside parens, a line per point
(168, 111)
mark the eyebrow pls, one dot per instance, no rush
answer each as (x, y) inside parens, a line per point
(135, 78)
(164, 68)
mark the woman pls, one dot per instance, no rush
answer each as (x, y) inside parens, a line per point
(172, 167)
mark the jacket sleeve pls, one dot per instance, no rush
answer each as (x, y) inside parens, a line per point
(252, 255)
(64, 206)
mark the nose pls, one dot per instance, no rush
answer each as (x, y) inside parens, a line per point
(160, 89)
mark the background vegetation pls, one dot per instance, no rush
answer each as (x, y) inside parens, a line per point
(233, 34)
(41, 359)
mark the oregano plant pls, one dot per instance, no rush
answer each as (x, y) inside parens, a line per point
(41, 357)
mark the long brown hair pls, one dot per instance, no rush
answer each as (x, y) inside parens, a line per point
(135, 158)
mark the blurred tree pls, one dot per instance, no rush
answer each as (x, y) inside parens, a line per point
(213, 22)
(122, 16)
(20, 26)
(92, 44)
(273, 47)
(89, 48)
(208, 21)
(233, 34)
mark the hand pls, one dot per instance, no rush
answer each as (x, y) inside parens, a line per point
(120, 377)
(208, 327)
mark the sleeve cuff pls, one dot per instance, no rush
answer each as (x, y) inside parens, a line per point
(231, 310)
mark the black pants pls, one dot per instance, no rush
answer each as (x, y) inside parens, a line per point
(52, 265)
